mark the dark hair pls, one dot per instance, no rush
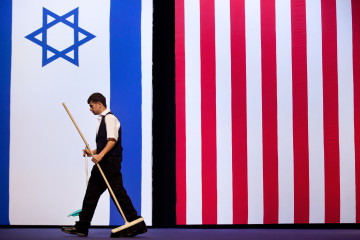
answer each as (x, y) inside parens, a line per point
(97, 97)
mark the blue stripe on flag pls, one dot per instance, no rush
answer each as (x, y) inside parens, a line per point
(5, 78)
(125, 93)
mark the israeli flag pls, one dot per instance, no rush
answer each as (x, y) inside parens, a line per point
(63, 51)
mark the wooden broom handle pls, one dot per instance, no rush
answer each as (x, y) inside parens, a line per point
(102, 173)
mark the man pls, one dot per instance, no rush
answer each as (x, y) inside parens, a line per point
(108, 154)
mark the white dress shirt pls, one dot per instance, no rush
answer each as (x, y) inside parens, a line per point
(112, 124)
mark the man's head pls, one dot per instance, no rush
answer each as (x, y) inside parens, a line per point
(97, 103)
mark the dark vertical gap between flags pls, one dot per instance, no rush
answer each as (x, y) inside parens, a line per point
(238, 110)
(355, 6)
(164, 167)
(331, 110)
(5, 80)
(269, 111)
(300, 112)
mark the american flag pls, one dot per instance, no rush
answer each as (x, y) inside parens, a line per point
(267, 111)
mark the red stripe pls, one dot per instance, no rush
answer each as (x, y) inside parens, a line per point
(208, 111)
(269, 111)
(180, 113)
(300, 112)
(331, 109)
(238, 110)
(355, 5)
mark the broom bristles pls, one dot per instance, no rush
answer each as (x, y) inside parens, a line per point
(126, 225)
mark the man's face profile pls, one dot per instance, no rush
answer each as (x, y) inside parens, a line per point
(96, 108)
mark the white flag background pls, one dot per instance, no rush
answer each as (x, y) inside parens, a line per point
(47, 173)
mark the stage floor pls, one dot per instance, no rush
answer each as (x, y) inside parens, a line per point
(190, 234)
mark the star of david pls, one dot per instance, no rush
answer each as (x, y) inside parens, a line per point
(55, 54)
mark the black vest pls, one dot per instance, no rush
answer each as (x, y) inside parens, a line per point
(101, 140)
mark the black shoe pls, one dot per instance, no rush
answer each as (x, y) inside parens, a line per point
(74, 230)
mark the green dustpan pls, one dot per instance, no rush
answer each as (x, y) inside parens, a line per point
(74, 214)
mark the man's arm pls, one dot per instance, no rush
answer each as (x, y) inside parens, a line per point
(109, 145)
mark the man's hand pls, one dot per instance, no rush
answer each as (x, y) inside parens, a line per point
(87, 152)
(109, 145)
(97, 158)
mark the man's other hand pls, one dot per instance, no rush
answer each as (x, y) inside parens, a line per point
(96, 158)
(86, 152)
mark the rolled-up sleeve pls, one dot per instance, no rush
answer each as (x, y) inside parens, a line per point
(112, 126)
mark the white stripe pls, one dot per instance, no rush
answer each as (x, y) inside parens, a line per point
(315, 110)
(223, 112)
(193, 113)
(346, 112)
(146, 110)
(284, 105)
(46, 185)
(254, 112)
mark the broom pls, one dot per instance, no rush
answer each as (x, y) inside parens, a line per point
(127, 224)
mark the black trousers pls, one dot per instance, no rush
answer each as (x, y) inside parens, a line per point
(111, 167)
